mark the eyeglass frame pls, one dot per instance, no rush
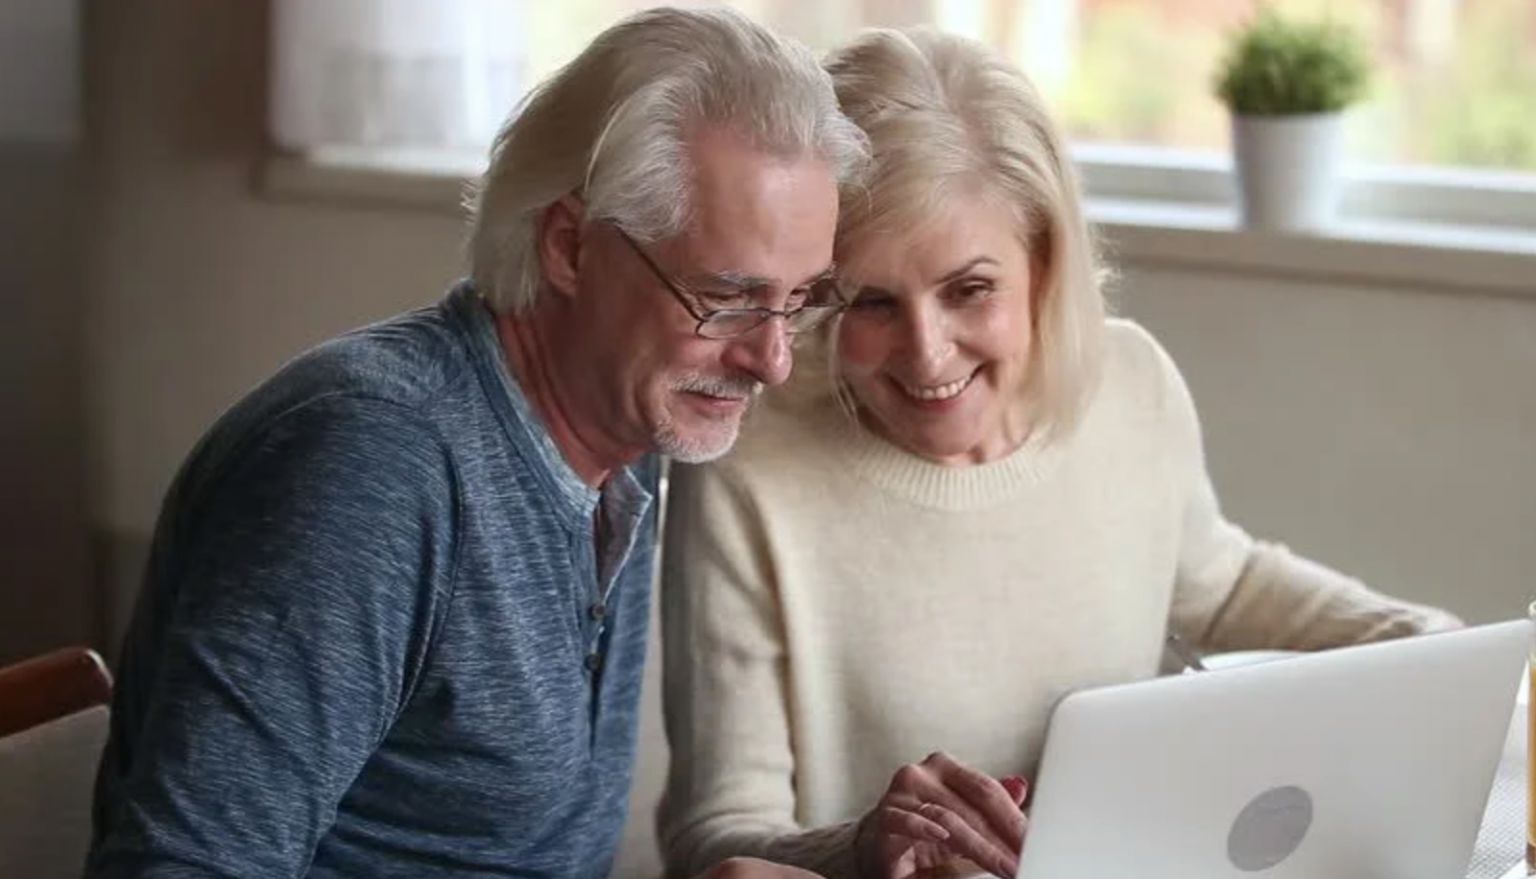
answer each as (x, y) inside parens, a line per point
(680, 292)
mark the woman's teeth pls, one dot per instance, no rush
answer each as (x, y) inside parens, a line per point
(940, 392)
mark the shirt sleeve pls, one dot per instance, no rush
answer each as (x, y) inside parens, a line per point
(1235, 592)
(290, 601)
(730, 788)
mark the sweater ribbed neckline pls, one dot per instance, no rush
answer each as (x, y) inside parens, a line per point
(926, 483)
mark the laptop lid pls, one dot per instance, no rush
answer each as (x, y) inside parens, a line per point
(1368, 762)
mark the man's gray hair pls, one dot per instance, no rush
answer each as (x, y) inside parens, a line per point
(613, 125)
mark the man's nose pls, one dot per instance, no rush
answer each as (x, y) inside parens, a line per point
(763, 352)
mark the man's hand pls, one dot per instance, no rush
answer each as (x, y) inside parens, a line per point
(939, 811)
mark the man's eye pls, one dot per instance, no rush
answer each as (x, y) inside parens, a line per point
(722, 298)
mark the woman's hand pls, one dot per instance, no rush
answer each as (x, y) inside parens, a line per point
(938, 811)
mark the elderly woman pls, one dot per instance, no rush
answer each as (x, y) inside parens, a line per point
(985, 495)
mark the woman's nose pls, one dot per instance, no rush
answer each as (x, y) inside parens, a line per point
(931, 344)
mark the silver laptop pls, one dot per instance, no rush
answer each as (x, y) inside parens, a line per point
(1370, 762)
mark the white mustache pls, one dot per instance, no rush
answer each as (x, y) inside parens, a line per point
(728, 388)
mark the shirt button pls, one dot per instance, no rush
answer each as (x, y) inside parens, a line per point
(594, 662)
(597, 611)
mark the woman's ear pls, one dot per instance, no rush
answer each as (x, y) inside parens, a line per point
(559, 243)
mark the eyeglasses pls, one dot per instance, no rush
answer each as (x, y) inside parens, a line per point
(823, 300)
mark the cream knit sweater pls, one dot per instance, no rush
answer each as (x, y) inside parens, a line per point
(835, 607)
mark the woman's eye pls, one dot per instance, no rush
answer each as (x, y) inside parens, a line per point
(969, 291)
(873, 302)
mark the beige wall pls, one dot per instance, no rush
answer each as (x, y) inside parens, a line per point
(46, 593)
(199, 288)
(1390, 432)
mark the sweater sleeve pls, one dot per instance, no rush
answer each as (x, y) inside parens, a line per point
(731, 785)
(1236, 592)
(302, 589)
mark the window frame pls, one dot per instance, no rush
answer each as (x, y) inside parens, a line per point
(1372, 193)
(1401, 195)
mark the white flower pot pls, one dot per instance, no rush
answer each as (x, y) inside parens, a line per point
(1289, 169)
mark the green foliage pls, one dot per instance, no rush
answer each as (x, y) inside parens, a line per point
(1276, 66)
(1111, 97)
(1482, 112)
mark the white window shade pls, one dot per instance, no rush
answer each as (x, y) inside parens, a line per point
(409, 75)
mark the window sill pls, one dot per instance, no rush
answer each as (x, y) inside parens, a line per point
(1432, 257)
(1499, 261)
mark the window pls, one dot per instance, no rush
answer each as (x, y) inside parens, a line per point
(1454, 89)
(1455, 83)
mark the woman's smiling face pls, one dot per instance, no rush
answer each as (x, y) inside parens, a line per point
(936, 344)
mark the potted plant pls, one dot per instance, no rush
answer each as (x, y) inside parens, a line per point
(1287, 84)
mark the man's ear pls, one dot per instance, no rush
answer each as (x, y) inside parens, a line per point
(559, 243)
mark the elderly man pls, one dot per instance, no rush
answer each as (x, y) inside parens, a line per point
(394, 619)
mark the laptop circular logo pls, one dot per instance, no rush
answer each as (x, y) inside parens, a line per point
(1269, 829)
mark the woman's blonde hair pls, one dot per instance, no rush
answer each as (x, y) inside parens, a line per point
(613, 124)
(949, 118)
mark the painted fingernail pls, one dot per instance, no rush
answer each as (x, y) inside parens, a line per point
(1016, 787)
